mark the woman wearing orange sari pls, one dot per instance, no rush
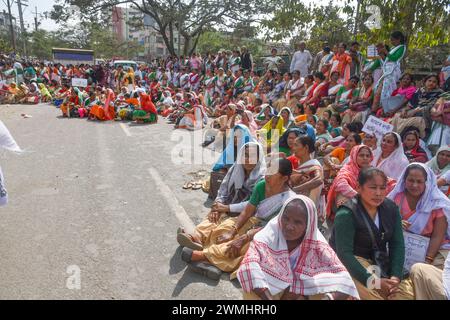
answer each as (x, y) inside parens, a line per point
(105, 112)
(341, 62)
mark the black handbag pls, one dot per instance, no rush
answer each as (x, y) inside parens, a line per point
(379, 257)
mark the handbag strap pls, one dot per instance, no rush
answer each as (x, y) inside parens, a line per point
(366, 222)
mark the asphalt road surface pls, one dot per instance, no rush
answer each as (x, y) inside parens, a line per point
(94, 208)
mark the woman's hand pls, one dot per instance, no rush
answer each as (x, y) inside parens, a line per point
(227, 236)
(235, 247)
(220, 207)
(406, 224)
(214, 216)
(395, 284)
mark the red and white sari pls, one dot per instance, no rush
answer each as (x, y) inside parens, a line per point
(316, 267)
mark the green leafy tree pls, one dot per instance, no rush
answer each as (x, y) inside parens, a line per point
(190, 17)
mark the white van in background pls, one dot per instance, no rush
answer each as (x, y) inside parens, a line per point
(126, 64)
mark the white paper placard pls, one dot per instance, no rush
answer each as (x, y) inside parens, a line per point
(416, 247)
(372, 51)
(78, 82)
(377, 127)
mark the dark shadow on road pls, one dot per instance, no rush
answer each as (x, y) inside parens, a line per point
(176, 264)
(190, 277)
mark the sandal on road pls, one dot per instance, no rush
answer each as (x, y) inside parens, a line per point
(197, 185)
(188, 185)
(186, 241)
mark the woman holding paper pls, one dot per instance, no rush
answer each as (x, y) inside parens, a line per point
(425, 210)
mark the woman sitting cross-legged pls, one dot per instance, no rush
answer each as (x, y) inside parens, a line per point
(233, 194)
(368, 239)
(425, 210)
(226, 243)
(290, 259)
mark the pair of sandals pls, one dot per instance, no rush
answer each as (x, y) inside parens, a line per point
(194, 185)
(200, 267)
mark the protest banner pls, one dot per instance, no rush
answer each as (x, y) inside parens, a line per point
(377, 127)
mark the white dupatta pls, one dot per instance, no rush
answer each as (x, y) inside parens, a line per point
(393, 165)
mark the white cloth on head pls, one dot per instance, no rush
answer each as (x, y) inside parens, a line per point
(393, 165)
(431, 199)
(317, 269)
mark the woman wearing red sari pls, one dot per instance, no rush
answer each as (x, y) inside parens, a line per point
(341, 62)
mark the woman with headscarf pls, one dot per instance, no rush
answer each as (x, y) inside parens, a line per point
(33, 95)
(233, 195)
(146, 112)
(290, 259)
(195, 118)
(425, 210)
(45, 94)
(440, 163)
(346, 181)
(72, 103)
(248, 120)
(226, 246)
(390, 156)
(239, 136)
(271, 132)
(105, 112)
(266, 114)
(411, 144)
(288, 117)
(129, 79)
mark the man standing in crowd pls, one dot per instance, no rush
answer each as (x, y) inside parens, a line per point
(357, 58)
(301, 60)
(246, 59)
(319, 57)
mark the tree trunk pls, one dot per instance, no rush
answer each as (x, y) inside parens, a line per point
(194, 46)
(168, 42)
(187, 44)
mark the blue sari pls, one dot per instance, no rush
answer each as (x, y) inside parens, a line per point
(227, 158)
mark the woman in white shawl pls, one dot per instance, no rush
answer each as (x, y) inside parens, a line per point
(290, 259)
(390, 156)
(288, 117)
(6, 142)
(425, 210)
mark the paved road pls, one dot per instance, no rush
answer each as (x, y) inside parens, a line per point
(106, 198)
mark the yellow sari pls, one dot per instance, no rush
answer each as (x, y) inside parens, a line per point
(268, 136)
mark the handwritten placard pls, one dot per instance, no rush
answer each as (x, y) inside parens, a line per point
(372, 52)
(416, 247)
(78, 82)
(377, 127)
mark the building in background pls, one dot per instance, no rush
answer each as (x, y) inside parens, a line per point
(4, 23)
(123, 20)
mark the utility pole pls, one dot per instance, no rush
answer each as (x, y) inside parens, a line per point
(355, 30)
(22, 24)
(36, 24)
(179, 28)
(11, 27)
